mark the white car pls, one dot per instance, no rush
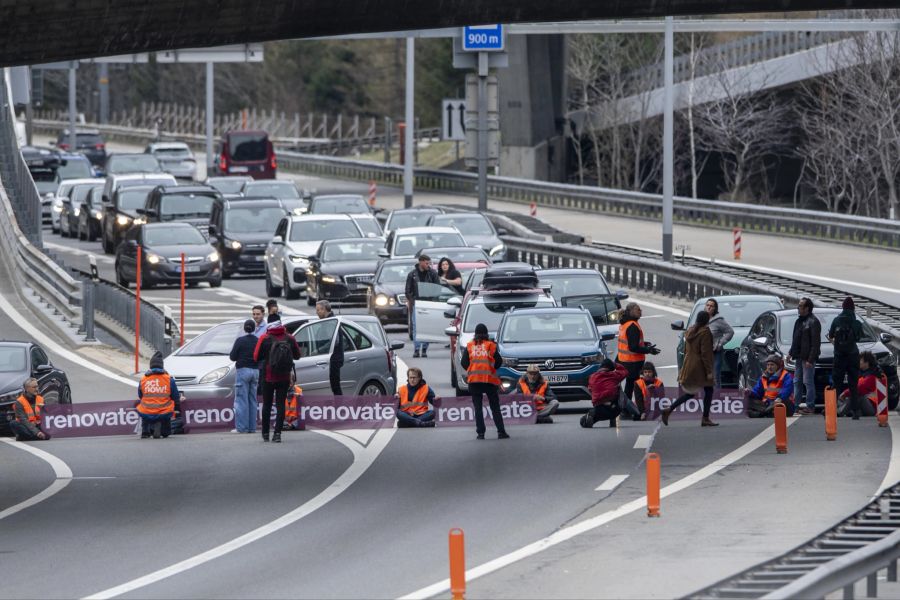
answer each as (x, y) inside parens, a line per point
(62, 193)
(296, 239)
(175, 158)
(408, 241)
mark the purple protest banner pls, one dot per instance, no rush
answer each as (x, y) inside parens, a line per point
(459, 411)
(347, 412)
(726, 404)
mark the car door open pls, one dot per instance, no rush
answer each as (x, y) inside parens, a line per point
(315, 340)
(430, 306)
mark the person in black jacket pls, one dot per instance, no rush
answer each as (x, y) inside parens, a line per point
(845, 333)
(246, 379)
(276, 352)
(805, 349)
(336, 360)
(422, 273)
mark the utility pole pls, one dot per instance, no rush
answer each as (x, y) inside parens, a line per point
(209, 118)
(103, 85)
(408, 167)
(483, 70)
(72, 107)
(668, 141)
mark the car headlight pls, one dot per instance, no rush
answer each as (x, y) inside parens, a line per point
(57, 207)
(123, 220)
(300, 261)
(592, 359)
(401, 298)
(10, 397)
(98, 215)
(77, 212)
(511, 362)
(154, 259)
(330, 278)
(497, 249)
(213, 256)
(140, 220)
(381, 300)
(506, 385)
(215, 375)
(888, 361)
(235, 245)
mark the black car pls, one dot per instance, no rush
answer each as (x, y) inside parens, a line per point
(43, 163)
(132, 163)
(121, 212)
(386, 296)
(240, 230)
(88, 142)
(771, 333)
(342, 270)
(18, 362)
(183, 203)
(91, 216)
(229, 187)
(400, 218)
(161, 247)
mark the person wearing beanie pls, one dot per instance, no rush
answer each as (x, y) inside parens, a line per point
(246, 379)
(533, 384)
(275, 352)
(649, 386)
(845, 333)
(605, 391)
(481, 361)
(775, 385)
(806, 344)
(158, 400)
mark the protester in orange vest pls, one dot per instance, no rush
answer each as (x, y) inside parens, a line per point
(533, 384)
(481, 361)
(775, 385)
(27, 410)
(870, 376)
(292, 405)
(414, 400)
(632, 348)
(646, 388)
(159, 400)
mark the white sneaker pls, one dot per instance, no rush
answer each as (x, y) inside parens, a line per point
(235, 431)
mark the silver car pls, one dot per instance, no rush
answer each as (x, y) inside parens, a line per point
(175, 158)
(202, 368)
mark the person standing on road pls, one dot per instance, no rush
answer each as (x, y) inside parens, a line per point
(845, 333)
(481, 361)
(533, 384)
(272, 309)
(414, 401)
(336, 360)
(722, 334)
(276, 352)
(158, 398)
(246, 379)
(605, 392)
(27, 411)
(421, 273)
(697, 369)
(805, 348)
(259, 319)
(449, 275)
(632, 348)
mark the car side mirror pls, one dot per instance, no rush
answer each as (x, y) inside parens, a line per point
(678, 325)
(621, 295)
(212, 230)
(608, 336)
(141, 211)
(502, 231)
(450, 313)
(452, 331)
(277, 240)
(761, 341)
(383, 253)
(132, 243)
(395, 345)
(149, 212)
(42, 368)
(885, 338)
(455, 301)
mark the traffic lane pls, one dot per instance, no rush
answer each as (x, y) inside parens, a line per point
(167, 500)
(762, 506)
(24, 476)
(387, 534)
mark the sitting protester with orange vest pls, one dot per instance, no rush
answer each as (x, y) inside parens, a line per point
(775, 385)
(415, 398)
(646, 388)
(28, 407)
(292, 405)
(158, 399)
(534, 385)
(872, 386)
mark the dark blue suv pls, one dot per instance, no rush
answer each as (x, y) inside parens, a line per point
(563, 342)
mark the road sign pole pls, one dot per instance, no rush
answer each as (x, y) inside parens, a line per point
(73, 138)
(482, 130)
(209, 117)
(408, 172)
(668, 141)
(103, 90)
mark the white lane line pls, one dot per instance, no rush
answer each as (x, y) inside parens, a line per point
(673, 310)
(60, 469)
(801, 276)
(363, 458)
(50, 344)
(643, 442)
(667, 367)
(567, 533)
(893, 473)
(611, 483)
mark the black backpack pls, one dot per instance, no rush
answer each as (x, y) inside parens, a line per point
(844, 336)
(281, 357)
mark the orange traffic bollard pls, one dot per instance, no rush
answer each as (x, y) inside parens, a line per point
(653, 484)
(830, 414)
(457, 564)
(780, 428)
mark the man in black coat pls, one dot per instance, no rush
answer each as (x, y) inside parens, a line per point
(336, 360)
(805, 349)
(422, 273)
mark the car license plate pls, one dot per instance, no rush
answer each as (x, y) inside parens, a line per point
(260, 258)
(237, 169)
(187, 269)
(551, 378)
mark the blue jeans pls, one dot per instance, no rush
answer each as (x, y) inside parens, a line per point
(807, 375)
(245, 382)
(718, 361)
(417, 345)
(406, 420)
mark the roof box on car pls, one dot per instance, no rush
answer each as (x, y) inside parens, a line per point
(511, 277)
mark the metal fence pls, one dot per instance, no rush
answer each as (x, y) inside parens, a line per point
(118, 304)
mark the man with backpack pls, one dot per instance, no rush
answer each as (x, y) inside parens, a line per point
(276, 352)
(845, 333)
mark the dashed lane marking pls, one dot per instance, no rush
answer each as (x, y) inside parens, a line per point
(60, 469)
(643, 442)
(611, 483)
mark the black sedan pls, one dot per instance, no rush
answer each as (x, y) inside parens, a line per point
(771, 333)
(18, 362)
(161, 247)
(240, 230)
(342, 270)
(386, 296)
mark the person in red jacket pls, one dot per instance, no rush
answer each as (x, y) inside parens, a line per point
(605, 392)
(870, 374)
(277, 350)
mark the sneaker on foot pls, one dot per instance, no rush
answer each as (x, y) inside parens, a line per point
(424, 353)
(265, 437)
(276, 439)
(479, 436)
(416, 354)
(502, 436)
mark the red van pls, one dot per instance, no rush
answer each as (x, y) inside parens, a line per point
(246, 152)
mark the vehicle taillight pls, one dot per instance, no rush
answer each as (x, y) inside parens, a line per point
(273, 163)
(99, 146)
(223, 163)
(63, 146)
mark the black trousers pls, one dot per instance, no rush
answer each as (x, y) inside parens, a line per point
(601, 412)
(634, 373)
(847, 365)
(277, 391)
(707, 400)
(479, 390)
(334, 375)
(22, 433)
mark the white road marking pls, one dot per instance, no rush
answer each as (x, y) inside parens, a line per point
(802, 276)
(667, 367)
(611, 483)
(643, 442)
(572, 531)
(893, 473)
(60, 469)
(675, 311)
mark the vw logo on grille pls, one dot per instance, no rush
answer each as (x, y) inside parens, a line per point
(549, 364)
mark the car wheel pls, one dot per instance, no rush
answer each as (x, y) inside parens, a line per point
(310, 299)
(372, 388)
(66, 396)
(742, 379)
(91, 236)
(107, 245)
(81, 233)
(452, 373)
(214, 283)
(289, 292)
(271, 290)
(120, 279)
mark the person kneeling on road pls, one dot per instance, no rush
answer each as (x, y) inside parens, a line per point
(157, 396)
(871, 386)
(775, 385)
(533, 384)
(605, 393)
(415, 398)
(28, 408)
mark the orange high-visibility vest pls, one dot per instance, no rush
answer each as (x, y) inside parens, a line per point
(645, 390)
(418, 405)
(625, 354)
(481, 362)
(33, 414)
(156, 395)
(541, 391)
(772, 389)
(291, 412)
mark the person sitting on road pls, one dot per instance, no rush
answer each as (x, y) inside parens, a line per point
(27, 410)
(533, 384)
(157, 398)
(605, 393)
(647, 387)
(292, 405)
(415, 397)
(775, 385)
(870, 375)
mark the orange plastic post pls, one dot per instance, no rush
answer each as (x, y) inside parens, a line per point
(181, 322)
(653, 479)
(830, 414)
(781, 439)
(137, 314)
(457, 564)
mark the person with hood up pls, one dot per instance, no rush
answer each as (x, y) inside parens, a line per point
(697, 369)
(276, 352)
(845, 333)
(415, 401)
(481, 361)
(722, 333)
(605, 392)
(158, 400)
(775, 385)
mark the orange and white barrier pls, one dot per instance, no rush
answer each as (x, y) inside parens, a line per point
(373, 192)
(882, 408)
(737, 243)
(532, 210)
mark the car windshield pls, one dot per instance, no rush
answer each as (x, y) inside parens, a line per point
(316, 231)
(408, 245)
(491, 311)
(574, 285)
(132, 199)
(339, 204)
(459, 255)
(471, 224)
(83, 140)
(145, 182)
(172, 236)
(253, 220)
(173, 153)
(550, 327)
(75, 168)
(370, 227)
(475, 278)
(227, 185)
(400, 220)
(249, 146)
(743, 313)
(349, 251)
(787, 328)
(286, 190)
(395, 273)
(434, 292)
(215, 341)
(604, 309)
(132, 163)
(45, 182)
(81, 192)
(182, 206)
(12, 359)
